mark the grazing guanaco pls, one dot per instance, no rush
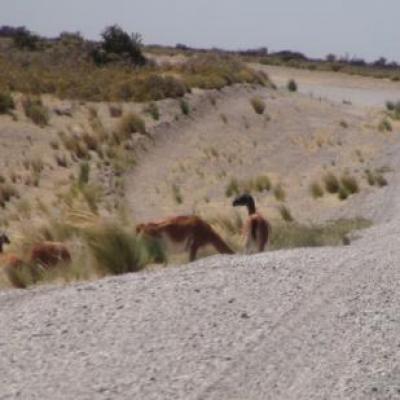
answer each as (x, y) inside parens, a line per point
(49, 254)
(45, 254)
(190, 231)
(256, 228)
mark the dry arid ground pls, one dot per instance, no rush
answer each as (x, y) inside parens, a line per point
(290, 324)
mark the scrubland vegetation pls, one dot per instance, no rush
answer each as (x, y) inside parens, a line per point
(88, 214)
(381, 68)
(288, 233)
(113, 70)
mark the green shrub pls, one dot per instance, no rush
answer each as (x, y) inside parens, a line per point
(6, 103)
(343, 194)
(350, 184)
(153, 111)
(292, 85)
(7, 192)
(156, 87)
(36, 111)
(118, 44)
(370, 177)
(316, 190)
(262, 183)
(25, 39)
(381, 180)
(331, 183)
(385, 125)
(185, 108)
(390, 105)
(332, 233)
(84, 174)
(286, 214)
(258, 104)
(177, 195)
(232, 188)
(75, 146)
(22, 276)
(116, 251)
(394, 109)
(279, 192)
(131, 123)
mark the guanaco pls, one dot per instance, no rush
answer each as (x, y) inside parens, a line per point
(256, 228)
(3, 240)
(45, 254)
(49, 254)
(8, 260)
(189, 231)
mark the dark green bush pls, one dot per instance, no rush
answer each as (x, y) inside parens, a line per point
(25, 39)
(6, 103)
(292, 85)
(36, 111)
(119, 45)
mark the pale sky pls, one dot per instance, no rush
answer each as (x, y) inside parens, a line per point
(362, 28)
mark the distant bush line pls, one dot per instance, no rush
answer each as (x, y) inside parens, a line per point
(70, 67)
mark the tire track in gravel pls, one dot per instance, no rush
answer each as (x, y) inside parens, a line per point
(278, 345)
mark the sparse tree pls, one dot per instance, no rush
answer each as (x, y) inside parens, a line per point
(25, 39)
(118, 44)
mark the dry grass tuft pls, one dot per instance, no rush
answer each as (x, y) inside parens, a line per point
(331, 183)
(258, 105)
(385, 125)
(316, 190)
(279, 192)
(350, 184)
(116, 251)
(233, 188)
(262, 183)
(115, 111)
(153, 110)
(185, 107)
(286, 214)
(333, 233)
(7, 192)
(36, 111)
(292, 85)
(6, 103)
(177, 194)
(131, 123)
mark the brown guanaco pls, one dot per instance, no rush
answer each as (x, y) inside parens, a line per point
(49, 254)
(8, 260)
(188, 231)
(45, 254)
(256, 228)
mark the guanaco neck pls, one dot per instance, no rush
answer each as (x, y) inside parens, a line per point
(251, 207)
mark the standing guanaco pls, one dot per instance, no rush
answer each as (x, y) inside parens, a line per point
(256, 228)
(189, 231)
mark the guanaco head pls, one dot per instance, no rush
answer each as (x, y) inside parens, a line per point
(3, 240)
(245, 200)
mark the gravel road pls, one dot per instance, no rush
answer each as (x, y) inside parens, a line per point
(303, 324)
